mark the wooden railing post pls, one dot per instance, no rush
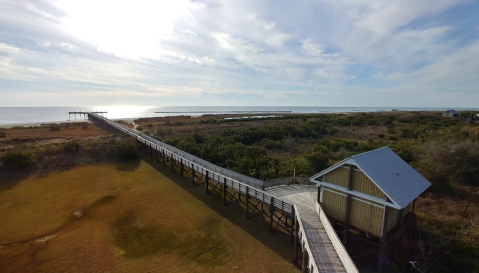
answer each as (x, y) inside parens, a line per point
(296, 241)
(163, 157)
(247, 202)
(224, 191)
(181, 167)
(193, 174)
(293, 221)
(271, 211)
(207, 183)
(305, 260)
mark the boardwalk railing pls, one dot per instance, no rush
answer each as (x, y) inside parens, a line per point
(313, 268)
(240, 183)
(338, 246)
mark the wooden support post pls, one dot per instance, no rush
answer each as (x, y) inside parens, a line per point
(207, 183)
(382, 248)
(413, 206)
(157, 153)
(247, 202)
(348, 207)
(163, 157)
(305, 260)
(293, 221)
(151, 151)
(401, 217)
(271, 211)
(172, 164)
(193, 174)
(181, 167)
(145, 147)
(385, 222)
(224, 191)
(382, 257)
(296, 242)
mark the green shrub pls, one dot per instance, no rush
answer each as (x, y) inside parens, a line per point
(451, 160)
(139, 128)
(128, 150)
(2, 134)
(54, 128)
(271, 144)
(85, 126)
(391, 131)
(17, 159)
(72, 146)
(393, 138)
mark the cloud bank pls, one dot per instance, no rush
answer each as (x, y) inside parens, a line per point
(311, 53)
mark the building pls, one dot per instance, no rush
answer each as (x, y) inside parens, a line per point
(370, 192)
(450, 114)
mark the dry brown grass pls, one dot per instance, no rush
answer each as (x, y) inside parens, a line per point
(455, 216)
(21, 135)
(134, 219)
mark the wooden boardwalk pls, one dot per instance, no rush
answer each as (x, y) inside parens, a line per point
(291, 208)
(324, 256)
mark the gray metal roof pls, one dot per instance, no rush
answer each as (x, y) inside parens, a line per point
(399, 181)
(392, 175)
(453, 111)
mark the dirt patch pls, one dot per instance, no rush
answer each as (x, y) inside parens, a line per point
(45, 239)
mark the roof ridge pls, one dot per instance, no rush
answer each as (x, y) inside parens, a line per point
(370, 151)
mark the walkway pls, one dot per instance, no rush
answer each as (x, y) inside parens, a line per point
(322, 249)
(324, 255)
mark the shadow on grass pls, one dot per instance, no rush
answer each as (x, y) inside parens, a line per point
(9, 180)
(257, 227)
(127, 166)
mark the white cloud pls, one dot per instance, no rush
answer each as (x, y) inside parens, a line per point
(6, 49)
(245, 48)
(311, 48)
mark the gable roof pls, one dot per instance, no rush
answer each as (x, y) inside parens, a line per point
(454, 112)
(392, 175)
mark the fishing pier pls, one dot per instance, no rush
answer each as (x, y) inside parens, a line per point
(291, 210)
(85, 114)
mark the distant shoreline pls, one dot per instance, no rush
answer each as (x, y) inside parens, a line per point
(31, 124)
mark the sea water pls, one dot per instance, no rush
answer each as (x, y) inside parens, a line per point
(35, 115)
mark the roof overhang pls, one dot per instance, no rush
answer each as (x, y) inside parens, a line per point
(351, 161)
(360, 194)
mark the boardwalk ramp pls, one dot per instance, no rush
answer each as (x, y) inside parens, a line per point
(322, 249)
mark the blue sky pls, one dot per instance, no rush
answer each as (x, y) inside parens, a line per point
(281, 53)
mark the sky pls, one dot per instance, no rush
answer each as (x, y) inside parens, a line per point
(392, 53)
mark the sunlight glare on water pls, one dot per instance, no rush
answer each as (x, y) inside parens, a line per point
(124, 111)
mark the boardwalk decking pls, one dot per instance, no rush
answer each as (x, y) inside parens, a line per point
(324, 255)
(322, 249)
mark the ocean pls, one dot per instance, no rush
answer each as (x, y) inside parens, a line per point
(10, 116)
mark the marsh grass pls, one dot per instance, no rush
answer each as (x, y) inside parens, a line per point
(97, 218)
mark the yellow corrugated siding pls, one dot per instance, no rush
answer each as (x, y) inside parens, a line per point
(334, 205)
(339, 177)
(392, 218)
(361, 183)
(366, 217)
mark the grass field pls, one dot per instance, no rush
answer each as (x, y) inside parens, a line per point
(128, 218)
